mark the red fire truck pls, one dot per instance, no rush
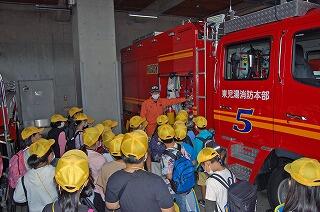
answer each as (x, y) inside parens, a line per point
(256, 78)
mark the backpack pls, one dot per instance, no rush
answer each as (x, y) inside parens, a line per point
(157, 148)
(183, 175)
(188, 140)
(189, 149)
(71, 144)
(17, 168)
(242, 196)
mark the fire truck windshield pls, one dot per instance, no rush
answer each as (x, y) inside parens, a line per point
(306, 65)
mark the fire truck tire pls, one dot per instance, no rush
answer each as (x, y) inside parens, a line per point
(277, 186)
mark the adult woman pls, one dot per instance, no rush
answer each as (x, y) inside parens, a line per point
(37, 187)
(71, 176)
(304, 186)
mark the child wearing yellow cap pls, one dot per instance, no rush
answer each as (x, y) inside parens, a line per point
(37, 186)
(166, 134)
(72, 178)
(139, 190)
(57, 133)
(18, 162)
(110, 167)
(81, 122)
(137, 123)
(91, 137)
(304, 186)
(156, 148)
(215, 194)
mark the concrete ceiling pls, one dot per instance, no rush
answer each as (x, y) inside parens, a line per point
(184, 8)
(193, 8)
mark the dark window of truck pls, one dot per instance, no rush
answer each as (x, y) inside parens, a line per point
(248, 61)
(306, 57)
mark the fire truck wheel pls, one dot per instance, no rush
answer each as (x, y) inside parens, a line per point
(278, 186)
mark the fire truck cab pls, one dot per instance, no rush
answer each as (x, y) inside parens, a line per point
(265, 93)
(256, 78)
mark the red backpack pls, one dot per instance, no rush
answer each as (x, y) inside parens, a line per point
(17, 168)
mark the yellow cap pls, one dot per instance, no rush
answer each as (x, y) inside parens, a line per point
(29, 131)
(100, 127)
(57, 117)
(180, 133)
(72, 170)
(106, 128)
(305, 171)
(136, 121)
(115, 145)
(80, 117)
(135, 144)
(107, 136)
(162, 119)
(182, 117)
(179, 124)
(91, 136)
(166, 132)
(206, 154)
(183, 112)
(74, 110)
(200, 121)
(90, 120)
(110, 123)
(41, 147)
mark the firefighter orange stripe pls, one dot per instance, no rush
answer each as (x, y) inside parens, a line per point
(280, 121)
(177, 52)
(279, 128)
(176, 56)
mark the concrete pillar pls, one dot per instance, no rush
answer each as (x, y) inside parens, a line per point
(95, 58)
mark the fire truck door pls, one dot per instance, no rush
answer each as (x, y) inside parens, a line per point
(245, 109)
(298, 127)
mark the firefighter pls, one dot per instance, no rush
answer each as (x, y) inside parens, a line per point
(154, 107)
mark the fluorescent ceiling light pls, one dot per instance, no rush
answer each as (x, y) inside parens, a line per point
(142, 16)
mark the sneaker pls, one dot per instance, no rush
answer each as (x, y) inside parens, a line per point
(202, 203)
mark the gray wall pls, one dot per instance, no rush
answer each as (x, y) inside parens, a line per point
(34, 46)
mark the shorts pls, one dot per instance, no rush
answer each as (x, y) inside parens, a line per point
(202, 178)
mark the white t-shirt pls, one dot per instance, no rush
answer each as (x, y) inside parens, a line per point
(216, 192)
(40, 186)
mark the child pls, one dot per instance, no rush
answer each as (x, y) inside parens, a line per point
(81, 122)
(71, 176)
(37, 186)
(156, 148)
(166, 134)
(57, 133)
(216, 194)
(304, 186)
(90, 139)
(137, 123)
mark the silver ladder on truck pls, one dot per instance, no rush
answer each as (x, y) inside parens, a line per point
(210, 35)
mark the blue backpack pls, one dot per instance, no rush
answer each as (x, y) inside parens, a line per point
(189, 149)
(183, 175)
(157, 148)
